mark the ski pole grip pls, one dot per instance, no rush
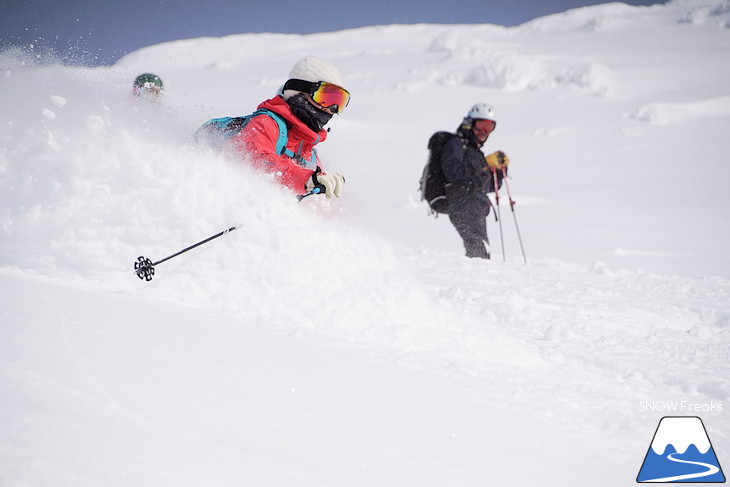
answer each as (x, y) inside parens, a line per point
(318, 188)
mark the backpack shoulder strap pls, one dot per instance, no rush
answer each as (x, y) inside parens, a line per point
(283, 130)
(226, 127)
(281, 142)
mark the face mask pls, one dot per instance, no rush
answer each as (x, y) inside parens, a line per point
(312, 117)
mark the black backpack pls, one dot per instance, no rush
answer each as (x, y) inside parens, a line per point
(433, 181)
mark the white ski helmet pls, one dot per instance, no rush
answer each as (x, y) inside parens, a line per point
(482, 111)
(313, 69)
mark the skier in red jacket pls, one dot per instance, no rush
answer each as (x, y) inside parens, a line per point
(308, 100)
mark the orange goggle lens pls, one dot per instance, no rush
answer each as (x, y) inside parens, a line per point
(330, 95)
(486, 125)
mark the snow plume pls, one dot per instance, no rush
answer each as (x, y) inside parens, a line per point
(89, 189)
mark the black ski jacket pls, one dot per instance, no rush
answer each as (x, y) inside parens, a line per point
(467, 175)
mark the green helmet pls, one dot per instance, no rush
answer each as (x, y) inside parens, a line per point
(150, 78)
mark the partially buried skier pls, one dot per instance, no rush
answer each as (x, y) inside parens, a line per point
(311, 96)
(148, 87)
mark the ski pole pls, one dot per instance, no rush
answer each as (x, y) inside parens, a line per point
(494, 208)
(514, 215)
(145, 268)
(499, 213)
(316, 190)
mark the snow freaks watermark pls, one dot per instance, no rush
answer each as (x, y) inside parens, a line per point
(680, 451)
(680, 407)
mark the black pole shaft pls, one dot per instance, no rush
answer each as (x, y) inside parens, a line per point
(195, 245)
(316, 190)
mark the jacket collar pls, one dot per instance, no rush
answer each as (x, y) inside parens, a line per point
(296, 127)
(469, 137)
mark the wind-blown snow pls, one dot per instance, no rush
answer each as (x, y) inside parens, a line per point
(349, 341)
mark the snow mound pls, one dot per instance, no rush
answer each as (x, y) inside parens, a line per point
(711, 12)
(663, 114)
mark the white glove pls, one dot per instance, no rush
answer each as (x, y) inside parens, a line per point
(331, 183)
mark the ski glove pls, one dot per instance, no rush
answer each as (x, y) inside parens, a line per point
(497, 160)
(332, 183)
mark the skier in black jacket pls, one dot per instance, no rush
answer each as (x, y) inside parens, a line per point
(469, 178)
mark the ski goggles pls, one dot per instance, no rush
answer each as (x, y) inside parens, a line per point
(485, 125)
(327, 95)
(150, 88)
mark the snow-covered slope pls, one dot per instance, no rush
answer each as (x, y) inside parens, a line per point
(349, 341)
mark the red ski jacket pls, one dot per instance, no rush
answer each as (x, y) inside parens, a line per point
(258, 138)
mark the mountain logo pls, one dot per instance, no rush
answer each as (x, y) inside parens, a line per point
(680, 452)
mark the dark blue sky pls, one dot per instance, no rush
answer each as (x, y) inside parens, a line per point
(101, 31)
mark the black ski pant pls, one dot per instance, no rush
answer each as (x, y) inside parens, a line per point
(469, 217)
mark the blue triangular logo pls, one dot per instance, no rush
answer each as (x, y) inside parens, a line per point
(680, 452)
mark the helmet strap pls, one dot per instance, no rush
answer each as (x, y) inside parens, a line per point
(300, 85)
